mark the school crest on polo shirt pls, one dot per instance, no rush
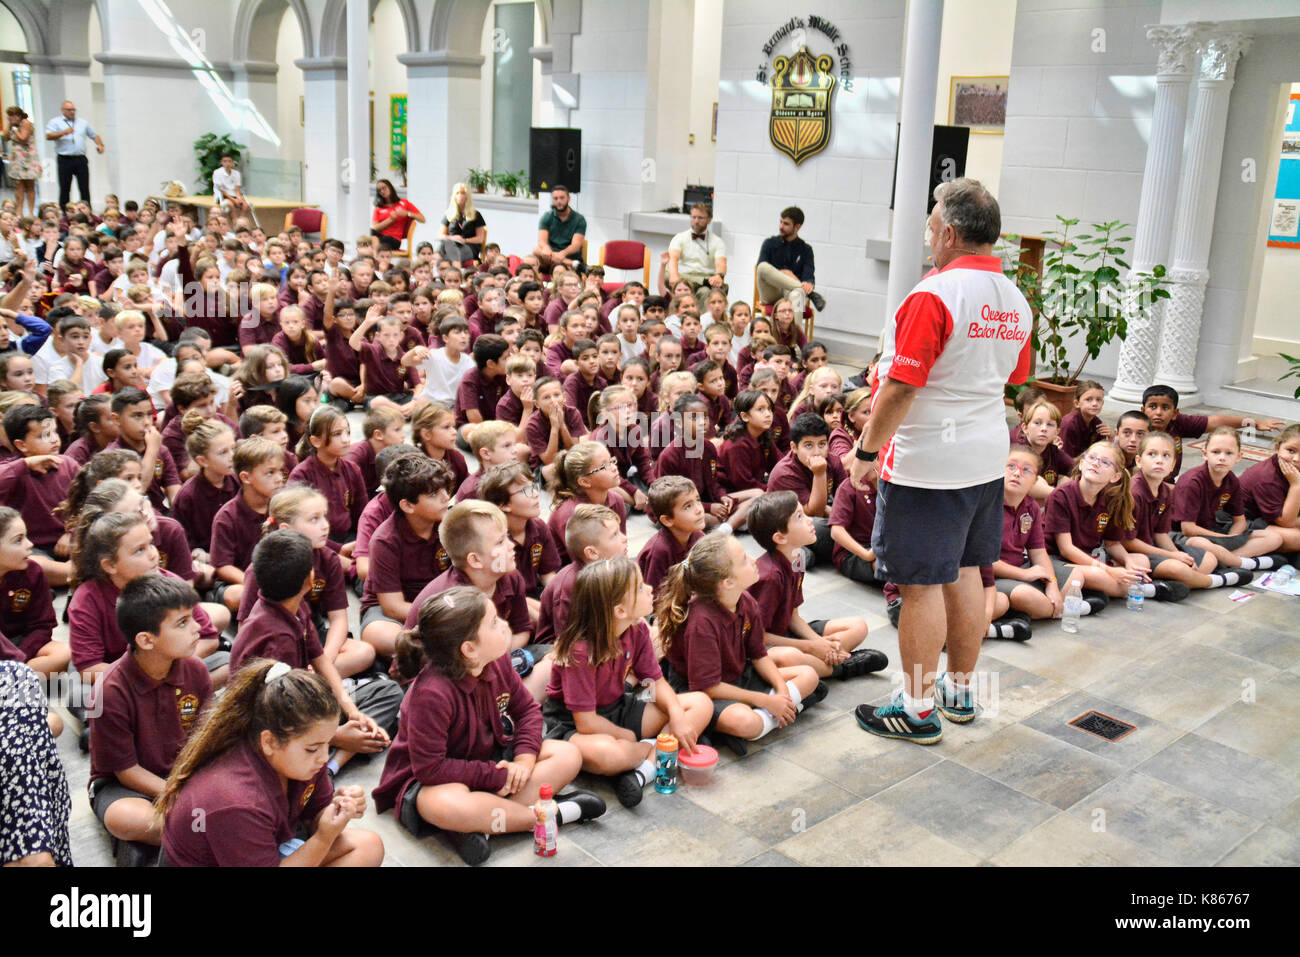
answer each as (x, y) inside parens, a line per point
(442, 558)
(1049, 476)
(745, 629)
(1160, 509)
(19, 600)
(1102, 521)
(307, 792)
(317, 589)
(158, 469)
(187, 708)
(163, 560)
(503, 706)
(1224, 499)
(802, 89)
(1026, 523)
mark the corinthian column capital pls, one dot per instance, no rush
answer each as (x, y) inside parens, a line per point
(1177, 47)
(1220, 53)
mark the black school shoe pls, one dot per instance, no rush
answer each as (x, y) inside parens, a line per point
(1171, 591)
(1234, 576)
(629, 787)
(817, 694)
(1097, 601)
(591, 805)
(862, 662)
(716, 739)
(1021, 630)
(473, 847)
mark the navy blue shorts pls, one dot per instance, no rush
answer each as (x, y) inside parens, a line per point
(925, 536)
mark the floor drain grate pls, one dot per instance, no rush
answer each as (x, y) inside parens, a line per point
(1103, 725)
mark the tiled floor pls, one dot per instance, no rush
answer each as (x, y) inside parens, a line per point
(1210, 776)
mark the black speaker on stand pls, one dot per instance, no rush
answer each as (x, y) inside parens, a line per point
(947, 160)
(554, 156)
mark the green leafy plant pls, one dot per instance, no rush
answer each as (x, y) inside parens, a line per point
(511, 183)
(1292, 372)
(207, 150)
(400, 165)
(480, 179)
(1083, 292)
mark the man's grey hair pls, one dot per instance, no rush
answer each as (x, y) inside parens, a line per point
(970, 209)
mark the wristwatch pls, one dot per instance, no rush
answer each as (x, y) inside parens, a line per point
(864, 456)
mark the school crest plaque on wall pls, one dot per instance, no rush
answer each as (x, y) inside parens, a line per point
(802, 87)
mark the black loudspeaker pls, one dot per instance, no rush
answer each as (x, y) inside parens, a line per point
(554, 156)
(947, 160)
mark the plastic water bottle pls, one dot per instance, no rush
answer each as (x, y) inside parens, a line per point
(1074, 606)
(546, 817)
(1135, 596)
(1283, 576)
(666, 763)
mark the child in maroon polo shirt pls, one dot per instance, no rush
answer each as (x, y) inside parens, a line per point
(280, 627)
(713, 389)
(405, 553)
(676, 509)
(149, 704)
(483, 386)
(493, 443)
(692, 455)
(768, 382)
(516, 406)
(387, 372)
(718, 349)
(814, 477)
(1083, 426)
(1160, 403)
(510, 487)
(323, 465)
(433, 432)
(1039, 427)
(553, 427)
(623, 434)
(469, 756)
(1024, 572)
(383, 426)
(212, 446)
(1271, 489)
(37, 481)
(561, 360)
(593, 532)
(586, 381)
(237, 528)
(712, 633)
(377, 509)
(778, 523)
(747, 454)
(586, 473)
(133, 410)
(26, 602)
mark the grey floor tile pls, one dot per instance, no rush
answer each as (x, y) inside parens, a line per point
(869, 834)
(1150, 737)
(665, 830)
(965, 808)
(1256, 729)
(770, 859)
(1268, 847)
(1067, 841)
(863, 763)
(1250, 640)
(1224, 775)
(1038, 765)
(1165, 820)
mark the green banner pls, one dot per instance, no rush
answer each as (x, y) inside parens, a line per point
(397, 126)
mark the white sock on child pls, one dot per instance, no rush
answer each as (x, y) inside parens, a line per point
(795, 695)
(1148, 590)
(570, 811)
(770, 723)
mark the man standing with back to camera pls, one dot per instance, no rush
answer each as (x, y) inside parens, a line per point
(938, 437)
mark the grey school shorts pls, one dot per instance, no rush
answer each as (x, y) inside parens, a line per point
(925, 536)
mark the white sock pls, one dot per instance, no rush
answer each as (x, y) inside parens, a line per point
(1264, 562)
(1148, 590)
(333, 765)
(570, 811)
(795, 695)
(999, 631)
(1085, 610)
(915, 707)
(646, 770)
(769, 722)
(950, 686)
(1218, 581)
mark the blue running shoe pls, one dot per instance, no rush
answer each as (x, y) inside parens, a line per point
(960, 707)
(891, 721)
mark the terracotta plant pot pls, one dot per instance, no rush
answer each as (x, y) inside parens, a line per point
(1061, 396)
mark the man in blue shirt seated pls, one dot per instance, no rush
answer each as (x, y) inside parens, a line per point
(785, 265)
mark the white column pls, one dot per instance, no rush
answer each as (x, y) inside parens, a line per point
(915, 141)
(442, 127)
(1177, 48)
(324, 96)
(356, 179)
(1196, 203)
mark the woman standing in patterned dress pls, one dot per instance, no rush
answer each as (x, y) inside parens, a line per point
(24, 161)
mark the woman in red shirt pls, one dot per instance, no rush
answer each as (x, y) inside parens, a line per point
(392, 216)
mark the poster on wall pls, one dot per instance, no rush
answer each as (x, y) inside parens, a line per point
(397, 126)
(1284, 223)
(978, 102)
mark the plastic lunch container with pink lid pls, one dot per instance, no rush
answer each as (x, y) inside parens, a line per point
(697, 769)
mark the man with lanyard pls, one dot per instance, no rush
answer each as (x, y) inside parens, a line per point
(70, 135)
(560, 233)
(938, 438)
(697, 255)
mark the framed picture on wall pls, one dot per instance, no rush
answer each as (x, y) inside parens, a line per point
(978, 102)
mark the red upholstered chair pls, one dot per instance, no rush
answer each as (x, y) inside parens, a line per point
(625, 254)
(308, 220)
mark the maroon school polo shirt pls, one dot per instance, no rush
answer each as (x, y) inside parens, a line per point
(362, 455)
(165, 475)
(538, 432)
(1088, 525)
(714, 644)
(840, 443)
(509, 408)
(744, 464)
(700, 465)
(582, 687)
(372, 516)
(578, 392)
(780, 430)
(341, 360)
(557, 353)
(247, 813)
(1184, 427)
(789, 473)
(174, 437)
(509, 598)
(296, 352)
(328, 591)
(1264, 489)
(1077, 435)
(174, 549)
(197, 504)
(385, 374)
(81, 450)
(235, 533)
(1197, 498)
(146, 721)
(555, 604)
(271, 631)
(662, 432)
(559, 519)
(1152, 514)
(854, 510)
(1022, 530)
(92, 623)
(719, 413)
(454, 732)
(35, 494)
(27, 608)
(661, 553)
(630, 449)
(401, 561)
(778, 591)
(536, 555)
(343, 487)
(469, 487)
(480, 393)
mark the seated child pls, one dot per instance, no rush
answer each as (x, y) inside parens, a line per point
(1160, 403)
(469, 756)
(383, 426)
(586, 473)
(553, 427)
(593, 533)
(1083, 426)
(433, 432)
(779, 525)
(510, 487)
(517, 405)
(1271, 489)
(270, 423)
(444, 368)
(237, 527)
(192, 392)
(133, 410)
(1129, 432)
(618, 428)
(376, 510)
(493, 443)
(747, 454)
(36, 482)
(676, 510)
(692, 455)
(323, 464)
(387, 371)
(1024, 572)
(210, 445)
(852, 518)
(26, 602)
(482, 387)
(602, 659)
(1039, 428)
(811, 475)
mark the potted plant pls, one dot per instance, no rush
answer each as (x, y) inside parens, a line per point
(511, 183)
(208, 149)
(480, 179)
(1082, 293)
(400, 166)
(1292, 371)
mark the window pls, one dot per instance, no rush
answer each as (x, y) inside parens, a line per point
(512, 85)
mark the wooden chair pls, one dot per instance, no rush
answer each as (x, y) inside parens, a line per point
(408, 251)
(309, 221)
(624, 254)
(809, 319)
